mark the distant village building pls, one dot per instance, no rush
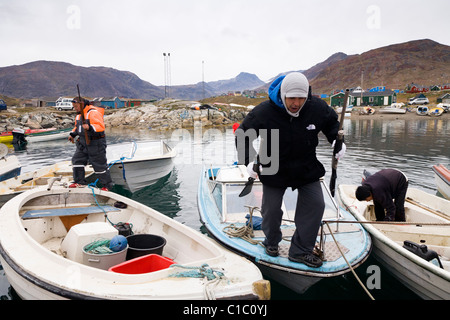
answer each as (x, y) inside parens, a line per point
(358, 98)
(445, 98)
(416, 88)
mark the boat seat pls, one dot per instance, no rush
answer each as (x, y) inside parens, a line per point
(69, 216)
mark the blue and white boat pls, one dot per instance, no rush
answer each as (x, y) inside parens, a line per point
(223, 213)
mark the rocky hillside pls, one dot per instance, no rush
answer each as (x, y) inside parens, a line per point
(423, 62)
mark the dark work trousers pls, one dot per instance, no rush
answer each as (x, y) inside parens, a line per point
(399, 202)
(308, 217)
(95, 153)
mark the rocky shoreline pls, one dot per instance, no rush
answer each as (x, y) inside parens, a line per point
(165, 115)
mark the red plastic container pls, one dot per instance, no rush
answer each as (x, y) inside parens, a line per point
(145, 264)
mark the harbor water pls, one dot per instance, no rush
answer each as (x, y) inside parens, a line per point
(412, 146)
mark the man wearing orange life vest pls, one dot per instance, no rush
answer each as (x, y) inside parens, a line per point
(93, 150)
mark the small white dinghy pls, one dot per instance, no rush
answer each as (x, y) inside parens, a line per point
(135, 165)
(43, 238)
(48, 135)
(416, 252)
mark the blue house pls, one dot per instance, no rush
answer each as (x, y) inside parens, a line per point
(109, 103)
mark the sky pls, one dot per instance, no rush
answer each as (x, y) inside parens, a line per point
(210, 40)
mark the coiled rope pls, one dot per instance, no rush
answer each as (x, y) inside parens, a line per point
(100, 246)
(212, 277)
(245, 232)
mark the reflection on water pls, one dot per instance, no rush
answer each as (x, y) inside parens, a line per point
(412, 146)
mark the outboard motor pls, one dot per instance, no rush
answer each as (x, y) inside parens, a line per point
(422, 251)
(19, 141)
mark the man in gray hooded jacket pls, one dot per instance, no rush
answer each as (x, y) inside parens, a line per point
(294, 117)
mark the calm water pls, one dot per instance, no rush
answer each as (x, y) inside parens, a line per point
(412, 146)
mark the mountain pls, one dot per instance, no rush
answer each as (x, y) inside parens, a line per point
(423, 62)
(49, 79)
(44, 79)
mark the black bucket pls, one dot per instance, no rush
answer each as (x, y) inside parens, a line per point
(143, 244)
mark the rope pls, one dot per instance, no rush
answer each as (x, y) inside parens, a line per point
(349, 265)
(196, 272)
(245, 232)
(211, 276)
(98, 247)
(133, 151)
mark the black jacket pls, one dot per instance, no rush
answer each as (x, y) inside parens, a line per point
(386, 185)
(298, 139)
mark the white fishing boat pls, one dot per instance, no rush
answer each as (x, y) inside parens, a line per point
(416, 252)
(48, 135)
(442, 179)
(45, 236)
(225, 214)
(39, 177)
(135, 165)
(392, 109)
(9, 165)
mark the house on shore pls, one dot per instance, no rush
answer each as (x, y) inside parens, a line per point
(358, 98)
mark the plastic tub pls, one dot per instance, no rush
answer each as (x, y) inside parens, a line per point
(104, 261)
(144, 244)
(143, 264)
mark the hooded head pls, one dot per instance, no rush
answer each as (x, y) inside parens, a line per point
(293, 85)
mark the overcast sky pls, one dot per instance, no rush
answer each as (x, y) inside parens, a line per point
(210, 39)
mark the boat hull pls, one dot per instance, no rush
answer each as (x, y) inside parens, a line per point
(422, 277)
(144, 165)
(425, 284)
(442, 179)
(48, 136)
(296, 276)
(137, 175)
(9, 168)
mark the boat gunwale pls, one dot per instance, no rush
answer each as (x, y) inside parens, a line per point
(437, 171)
(394, 245)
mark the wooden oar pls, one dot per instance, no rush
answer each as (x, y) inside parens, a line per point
(83, 120)
(436, 212)
(338, 146)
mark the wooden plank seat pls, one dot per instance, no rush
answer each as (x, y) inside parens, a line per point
(69, 216)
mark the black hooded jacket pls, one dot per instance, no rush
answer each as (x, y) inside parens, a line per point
(298, 139)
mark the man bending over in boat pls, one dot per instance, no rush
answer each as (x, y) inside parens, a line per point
(91, 145)
(387, 188)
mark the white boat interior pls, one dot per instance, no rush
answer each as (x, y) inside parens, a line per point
(427, 221)
(37, 234)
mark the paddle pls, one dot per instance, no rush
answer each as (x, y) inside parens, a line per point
(338, 146)
(83, 120)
